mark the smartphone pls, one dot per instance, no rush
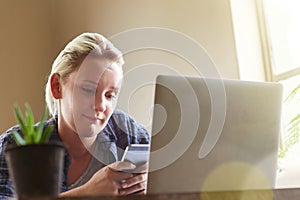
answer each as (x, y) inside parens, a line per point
(137, 154)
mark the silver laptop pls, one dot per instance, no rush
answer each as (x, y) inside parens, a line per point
(214, 135)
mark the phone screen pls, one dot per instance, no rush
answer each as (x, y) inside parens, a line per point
(136, 153)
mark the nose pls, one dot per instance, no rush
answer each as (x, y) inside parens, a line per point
(100, 103)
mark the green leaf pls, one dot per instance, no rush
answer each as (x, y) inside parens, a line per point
(19, 140)
(21, 122)
(46, 134)
(40, 127)
(31, 133)
(295, 120)
(29, 116)
(292, 94)
(29, 121)
(39, 132)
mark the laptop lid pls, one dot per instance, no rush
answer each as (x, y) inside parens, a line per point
(214, 135)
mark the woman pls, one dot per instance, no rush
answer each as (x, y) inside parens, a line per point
(81, 95)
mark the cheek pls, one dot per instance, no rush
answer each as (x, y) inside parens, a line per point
(110, 108)
(66, 102)
(82, 101)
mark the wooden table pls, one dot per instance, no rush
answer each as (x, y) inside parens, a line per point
(276, 194)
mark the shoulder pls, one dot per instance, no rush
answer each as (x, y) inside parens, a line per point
(122, 117)
(6, 187)
(123, 123)
(7, 137)
(124, 120)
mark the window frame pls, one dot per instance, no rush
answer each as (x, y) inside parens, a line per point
(268, 58)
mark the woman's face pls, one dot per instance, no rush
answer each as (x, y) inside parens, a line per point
(89, 96)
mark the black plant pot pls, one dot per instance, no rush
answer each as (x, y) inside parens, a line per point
(36, 169)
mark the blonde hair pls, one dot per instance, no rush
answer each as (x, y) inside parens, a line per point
(73, 54)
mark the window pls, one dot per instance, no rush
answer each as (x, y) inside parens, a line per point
(280, 33)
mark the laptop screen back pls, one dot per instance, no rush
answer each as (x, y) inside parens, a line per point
(214, 135)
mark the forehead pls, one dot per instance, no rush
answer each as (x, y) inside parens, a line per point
(93, 68)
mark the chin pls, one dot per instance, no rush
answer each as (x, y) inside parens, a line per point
(88, 131)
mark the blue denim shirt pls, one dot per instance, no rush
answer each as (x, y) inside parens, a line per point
(120, 131)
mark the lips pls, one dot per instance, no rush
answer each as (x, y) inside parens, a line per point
(94, 118)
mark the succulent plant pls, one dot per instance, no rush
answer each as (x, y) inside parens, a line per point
(31, 134)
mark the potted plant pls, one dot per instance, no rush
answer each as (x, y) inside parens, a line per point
(35, 165)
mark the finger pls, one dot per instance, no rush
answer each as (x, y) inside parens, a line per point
(143, 192)
(129, 182)
(141, 169)
(140, 187)
(121, 176)
(121, 166)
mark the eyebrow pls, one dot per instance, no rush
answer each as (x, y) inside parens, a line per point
(116, 89)
(92, 82)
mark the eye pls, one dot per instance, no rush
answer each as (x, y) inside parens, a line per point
(110, 95)
(87, 90)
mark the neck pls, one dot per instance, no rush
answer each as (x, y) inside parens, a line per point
(77, 147)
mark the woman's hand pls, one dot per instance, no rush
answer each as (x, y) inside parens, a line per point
(136, 184)
(114, 179)
(107, 181)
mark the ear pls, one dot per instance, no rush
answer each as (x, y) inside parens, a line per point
(56, 86)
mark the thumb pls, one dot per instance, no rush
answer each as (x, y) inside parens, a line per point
(121, 166)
